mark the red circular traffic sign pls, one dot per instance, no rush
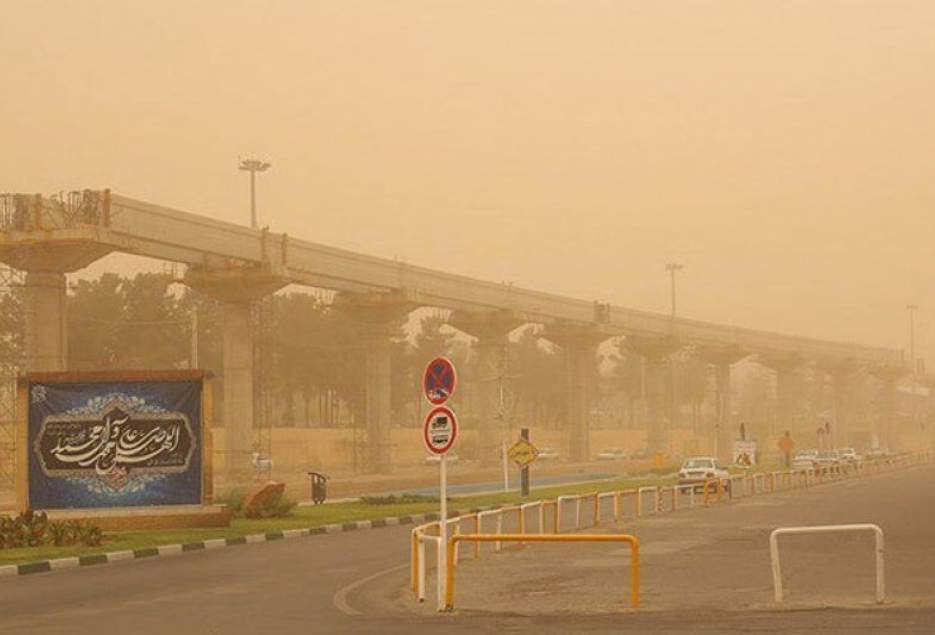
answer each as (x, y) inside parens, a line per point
(439, 380)
(440, 430)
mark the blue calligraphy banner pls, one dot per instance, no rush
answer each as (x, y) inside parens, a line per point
(115, 444)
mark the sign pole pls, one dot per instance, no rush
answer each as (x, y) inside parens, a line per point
(440, 431)
(524, 471)
(506, 469)
(442, 532)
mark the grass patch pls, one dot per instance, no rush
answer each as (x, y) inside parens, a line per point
(309, 517)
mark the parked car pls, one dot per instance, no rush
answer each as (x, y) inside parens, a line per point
(434, 459)
(848, 456)
(611, 454)
(699, 469)
(640, 454)
(826, 460)
(804, 460)
(547, 454)
(877, 453)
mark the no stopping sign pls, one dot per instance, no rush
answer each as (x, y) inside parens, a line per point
(440, 430)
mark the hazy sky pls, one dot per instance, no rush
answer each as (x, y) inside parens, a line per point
(783, 150)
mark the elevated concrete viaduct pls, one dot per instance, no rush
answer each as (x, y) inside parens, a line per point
(237, 265)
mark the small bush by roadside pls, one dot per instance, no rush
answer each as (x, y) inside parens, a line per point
(392, 499)
(234, 498)
(30, 529)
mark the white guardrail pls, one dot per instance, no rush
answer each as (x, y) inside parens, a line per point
(824, 529)
(735, 486)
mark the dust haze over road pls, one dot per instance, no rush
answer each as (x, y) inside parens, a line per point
(641, 231)
(704, 570)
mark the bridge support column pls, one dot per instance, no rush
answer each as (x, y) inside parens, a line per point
(722, 359)
(46, 260)
(579, 347)
(45, 329)
(238, 381)
(842, 386)
(492, 331)
(378, 315)
(238, 289)
(656, 372)
(785, 367)
(378, 395)
(886, 403)
(722, 410)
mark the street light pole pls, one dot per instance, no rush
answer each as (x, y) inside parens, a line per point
(672, 268)
(912, 308)
(253, 166)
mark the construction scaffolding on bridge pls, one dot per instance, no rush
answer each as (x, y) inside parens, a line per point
(11, 363)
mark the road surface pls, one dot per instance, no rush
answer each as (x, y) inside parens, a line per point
(353, 582)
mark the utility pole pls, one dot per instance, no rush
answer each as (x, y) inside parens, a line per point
(912, 308)
(672, 268)
(253, 166)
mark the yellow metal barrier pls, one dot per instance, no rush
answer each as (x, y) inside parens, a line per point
(632, 540)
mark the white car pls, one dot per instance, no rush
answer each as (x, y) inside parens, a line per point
(849, 456)
(805, 459)
(547, 454)
(611, 454)
(697, 470)
(434, 459)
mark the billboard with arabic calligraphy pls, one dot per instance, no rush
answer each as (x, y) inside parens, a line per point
(99, 441)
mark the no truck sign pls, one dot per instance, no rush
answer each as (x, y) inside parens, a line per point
(440, 430)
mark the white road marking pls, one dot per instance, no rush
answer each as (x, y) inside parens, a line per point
(339, 599)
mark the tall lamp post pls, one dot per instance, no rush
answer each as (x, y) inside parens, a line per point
(253, 166)
(912, 308)
(672, 268)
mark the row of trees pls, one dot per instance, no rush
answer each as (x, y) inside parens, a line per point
(309, 357)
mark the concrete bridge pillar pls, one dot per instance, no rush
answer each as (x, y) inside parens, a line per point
(842, 385)
(492, 331)
(722, 359)
(579, 347)
(46, 260)
(656, 372)
(237, 289)
(785, 367)
(842, 374)
(888, 376)
(378, 315)
(45, 327)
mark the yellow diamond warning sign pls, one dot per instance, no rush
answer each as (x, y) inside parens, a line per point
(522, 452)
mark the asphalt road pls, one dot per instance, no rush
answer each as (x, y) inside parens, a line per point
(328, 584)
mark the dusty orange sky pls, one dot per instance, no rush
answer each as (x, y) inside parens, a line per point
(782, 150)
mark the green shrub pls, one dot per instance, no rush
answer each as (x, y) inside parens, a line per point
(234, 499)
(272, 509)
(392, 499)
(31, 529)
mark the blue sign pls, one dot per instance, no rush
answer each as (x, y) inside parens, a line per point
(114, 444)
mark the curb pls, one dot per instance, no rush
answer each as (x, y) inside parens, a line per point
(46, 566)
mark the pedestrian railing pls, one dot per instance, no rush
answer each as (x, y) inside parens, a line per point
(646, 501)
(824, 529)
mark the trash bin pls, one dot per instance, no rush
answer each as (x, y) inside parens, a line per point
(319, 487)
